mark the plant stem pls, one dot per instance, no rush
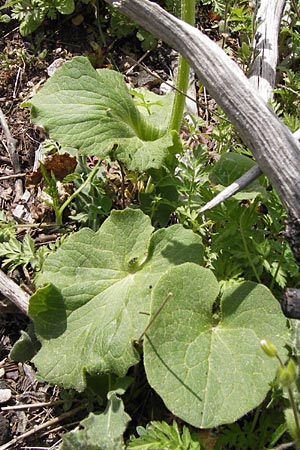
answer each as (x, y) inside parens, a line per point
(100, 31)
(278, 267)
(294, 408)
(59, 212)
(248, 253)
(296, 8)
(122, 184)
(182, 79)
(255, 419)
(295, 412)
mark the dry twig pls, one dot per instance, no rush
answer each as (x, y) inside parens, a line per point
(13, 292)
(13, 154)
(42, 426)
(262, 77)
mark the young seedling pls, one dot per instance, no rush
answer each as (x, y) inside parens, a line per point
(286, 377)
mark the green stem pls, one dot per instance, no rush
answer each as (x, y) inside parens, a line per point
(255, 419)
(296, 417)
(248, 253)
(59, 212)
(296, 8)
(101, 34)
(294, 409)
(278, 267)
(182, 79)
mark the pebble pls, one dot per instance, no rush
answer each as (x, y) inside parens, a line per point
(5, 395)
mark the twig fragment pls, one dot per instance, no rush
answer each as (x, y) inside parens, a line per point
(32, 405)
(237, 185)
(9, 177)
(262, 77)
(14, 293)
(42, 426)
(233, 188)
(13, 154)
(169, 295)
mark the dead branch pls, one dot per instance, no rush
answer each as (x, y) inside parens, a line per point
(13, 292)
(42, 426)
(13, 154)
(262, 77)
(276, 150)
(233, 188)
(263, 70)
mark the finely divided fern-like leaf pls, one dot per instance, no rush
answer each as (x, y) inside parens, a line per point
(160, 435)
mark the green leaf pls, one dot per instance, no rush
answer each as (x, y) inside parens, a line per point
(5, 18)
(157, 108)
(160, 435)
(26, 346)
(32, 20)
(229, 168)
(100, 431)
(99, 288)
(65, 6)
(210, 369)
(291, 423)
(94, 112)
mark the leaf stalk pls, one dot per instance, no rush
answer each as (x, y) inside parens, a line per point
(182, 79)
(59, 212)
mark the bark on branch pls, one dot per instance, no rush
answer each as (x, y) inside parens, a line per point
(276, 151)
(263, 70)
(13, 292)
(262, 77)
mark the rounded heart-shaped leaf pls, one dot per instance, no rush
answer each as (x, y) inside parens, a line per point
(206, 362)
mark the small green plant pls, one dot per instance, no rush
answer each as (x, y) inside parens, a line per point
(100, 305)
(92, 204)
(158, 435)
(120, 27)
(287, 94)
(15, 253)
(32, 13)
(7, 227)
(119, 258)
(111, 124)
(287, 375)
(52, 191)
(259, 432)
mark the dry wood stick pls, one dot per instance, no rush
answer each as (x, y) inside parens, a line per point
(14, 157)
(33, 405)
(263, 71)
(276, 150)
(13, 292)
(42, 426)
(262, 77)
(9, 177)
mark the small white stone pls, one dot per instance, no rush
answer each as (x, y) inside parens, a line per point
(5, 395)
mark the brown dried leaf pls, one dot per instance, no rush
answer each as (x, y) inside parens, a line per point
(60, 164)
